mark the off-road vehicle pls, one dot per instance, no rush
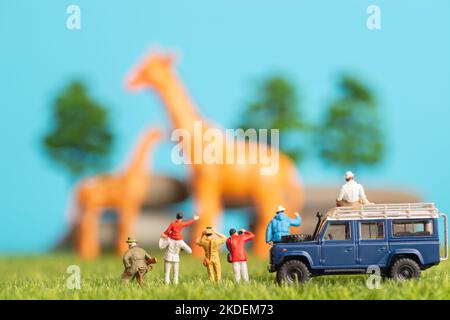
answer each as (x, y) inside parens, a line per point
(400, 240)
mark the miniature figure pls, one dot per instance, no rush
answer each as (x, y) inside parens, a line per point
(280, 224)
(172, 256)
(352, 193)
(172, 239)
(210, 241)
(237, 256)
(136, 262)
(175, 228)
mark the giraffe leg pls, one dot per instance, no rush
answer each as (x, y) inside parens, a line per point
(294, 195)
(88, 243)
(266, 202)
(126, 218)
(292, 206)
(208, 205)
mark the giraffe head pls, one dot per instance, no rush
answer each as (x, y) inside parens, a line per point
(154, 134)
(153, 71)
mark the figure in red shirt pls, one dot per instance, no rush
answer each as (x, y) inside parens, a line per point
(175, 228)
(236, 246)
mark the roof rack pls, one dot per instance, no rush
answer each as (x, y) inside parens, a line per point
(385, 211)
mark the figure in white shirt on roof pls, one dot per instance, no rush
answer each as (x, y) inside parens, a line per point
(352, 193)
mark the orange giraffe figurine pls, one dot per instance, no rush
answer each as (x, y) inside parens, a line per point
(215, 183)
(124, 191)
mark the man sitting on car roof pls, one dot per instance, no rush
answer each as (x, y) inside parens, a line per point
(352, 193)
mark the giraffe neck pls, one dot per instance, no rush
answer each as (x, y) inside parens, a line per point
(182, 111)
(138, 163)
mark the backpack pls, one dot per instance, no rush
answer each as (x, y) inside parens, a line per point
(229, 258)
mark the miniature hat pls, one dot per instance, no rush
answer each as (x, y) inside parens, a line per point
(280, 209)
(349, 174)
(131, 240)
(208, 231)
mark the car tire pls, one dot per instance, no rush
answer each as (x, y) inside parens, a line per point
(405, 269)
(293, 272)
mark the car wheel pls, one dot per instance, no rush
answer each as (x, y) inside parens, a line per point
(293, 272)
(405, 269)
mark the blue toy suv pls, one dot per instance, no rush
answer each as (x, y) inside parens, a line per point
(398, 239)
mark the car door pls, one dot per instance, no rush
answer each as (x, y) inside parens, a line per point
(372, 243)
(338, 245)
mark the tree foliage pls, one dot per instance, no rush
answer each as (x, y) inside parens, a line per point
(80, 138)
(276, 106)
(350, 134)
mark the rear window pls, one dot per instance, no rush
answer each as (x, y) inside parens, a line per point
(414, 228)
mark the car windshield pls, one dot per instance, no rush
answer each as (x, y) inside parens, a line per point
(319, 232)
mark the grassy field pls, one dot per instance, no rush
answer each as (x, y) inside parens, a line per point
(45, 277)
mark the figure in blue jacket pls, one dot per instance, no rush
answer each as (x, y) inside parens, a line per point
(280, 224)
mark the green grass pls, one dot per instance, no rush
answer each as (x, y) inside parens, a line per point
(45, 278)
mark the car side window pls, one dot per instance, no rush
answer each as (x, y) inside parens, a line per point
(412, 228)
(338, 231)
(371, 230)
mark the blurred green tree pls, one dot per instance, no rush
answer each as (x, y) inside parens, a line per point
(350, 134)
(276, 106)
(80, 139)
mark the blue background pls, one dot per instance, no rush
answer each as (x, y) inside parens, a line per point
(224, 46)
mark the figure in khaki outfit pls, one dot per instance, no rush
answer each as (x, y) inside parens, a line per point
(211, 241)
(352, 193)
(238, 257)
(136, 262)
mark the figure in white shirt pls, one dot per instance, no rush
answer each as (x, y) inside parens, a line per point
(172, 256)
(352, 193)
